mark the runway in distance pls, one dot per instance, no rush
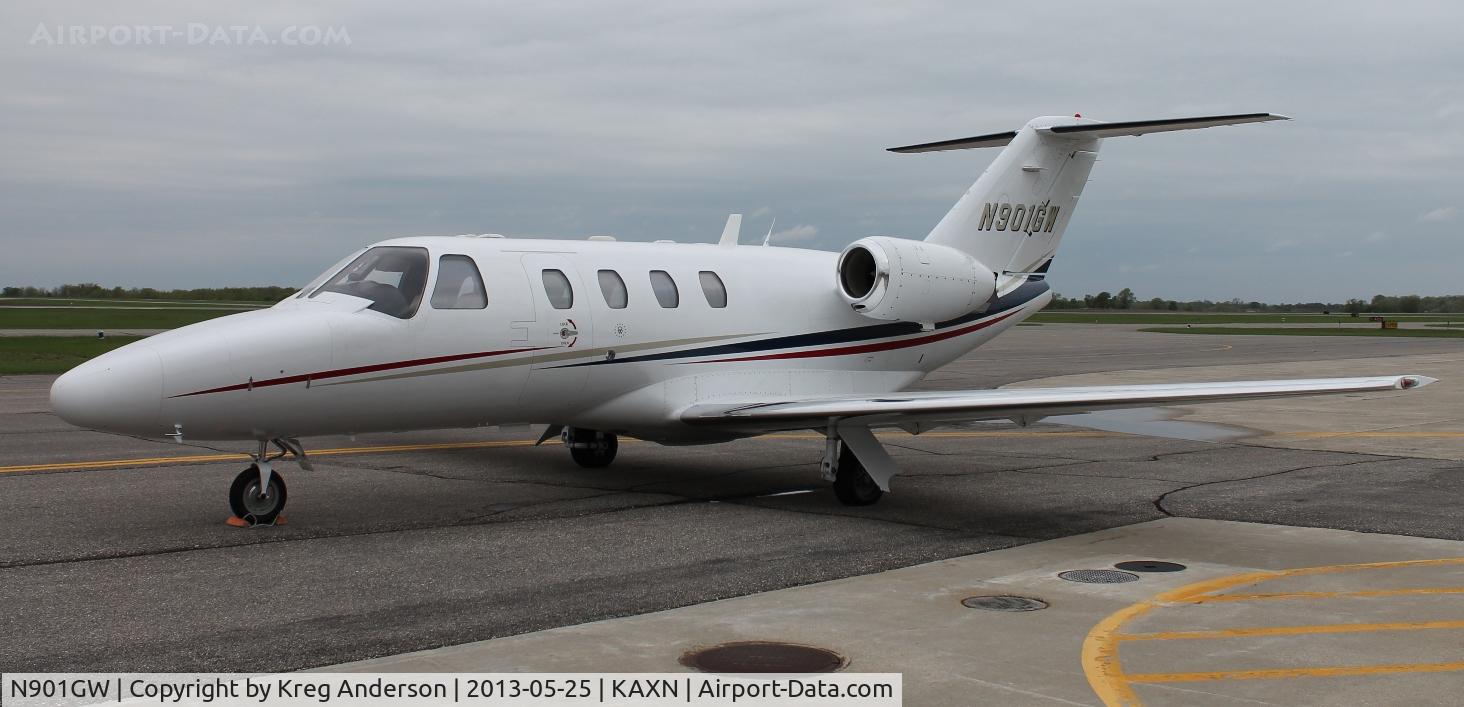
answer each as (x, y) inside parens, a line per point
(674, 343)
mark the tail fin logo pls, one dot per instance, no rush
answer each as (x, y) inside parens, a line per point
(1025, 218)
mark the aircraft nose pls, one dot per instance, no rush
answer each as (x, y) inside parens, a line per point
(120, 391)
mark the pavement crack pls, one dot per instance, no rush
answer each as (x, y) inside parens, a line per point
(1159, 501)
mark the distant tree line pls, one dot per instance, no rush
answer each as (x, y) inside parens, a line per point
(91, 290)
(1126, 299)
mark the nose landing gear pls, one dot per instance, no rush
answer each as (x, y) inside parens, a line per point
(258, 494)
(254, 500)
(591, 449)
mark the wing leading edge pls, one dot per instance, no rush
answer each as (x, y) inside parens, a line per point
(1027, 404)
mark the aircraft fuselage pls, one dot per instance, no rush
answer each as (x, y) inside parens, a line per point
(323, 362)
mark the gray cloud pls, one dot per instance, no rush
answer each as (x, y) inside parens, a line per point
(797, 234)
(1439, 215)
(185, 165)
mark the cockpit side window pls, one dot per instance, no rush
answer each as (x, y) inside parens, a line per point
(392, 277)
(459, 286)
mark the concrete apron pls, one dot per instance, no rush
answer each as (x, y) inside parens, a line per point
(1262, 614)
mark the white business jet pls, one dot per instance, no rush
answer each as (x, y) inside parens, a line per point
(674, 343)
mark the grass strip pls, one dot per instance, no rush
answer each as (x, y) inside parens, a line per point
(52, 354)
(1312, 331)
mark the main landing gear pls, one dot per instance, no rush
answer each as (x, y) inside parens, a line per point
(857, 464)
(853, 485)
(258, 494)
(591, 449)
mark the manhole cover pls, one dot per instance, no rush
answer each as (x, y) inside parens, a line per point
(763, 657)
(1004, 603)
(1150, 566)
(1098, 576)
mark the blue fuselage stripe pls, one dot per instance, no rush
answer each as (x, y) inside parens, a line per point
(1026, 292)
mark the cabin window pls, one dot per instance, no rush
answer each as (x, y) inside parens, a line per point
(459, 286)
(392, 277)
(613, 288)
(558, 289)
(665, 289)
(713, 288)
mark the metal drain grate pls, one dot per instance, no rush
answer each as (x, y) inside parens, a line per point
(1150, 566)
(763, 657)
(1098, 576)
(1004, 603)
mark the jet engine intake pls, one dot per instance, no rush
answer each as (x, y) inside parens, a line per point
(897, 279)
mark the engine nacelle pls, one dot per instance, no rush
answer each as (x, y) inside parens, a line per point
(912, 281)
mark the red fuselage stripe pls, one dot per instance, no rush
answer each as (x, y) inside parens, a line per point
(839, 351)
(340, 372)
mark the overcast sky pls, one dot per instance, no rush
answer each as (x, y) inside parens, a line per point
(193, 163)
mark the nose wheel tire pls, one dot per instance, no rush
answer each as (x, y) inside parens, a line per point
(852, 484)
(249, 504)
(590, 448)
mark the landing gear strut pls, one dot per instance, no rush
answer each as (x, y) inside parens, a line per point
(591, 449)
(258, 493)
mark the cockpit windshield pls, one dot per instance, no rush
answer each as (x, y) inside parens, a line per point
(392, 277)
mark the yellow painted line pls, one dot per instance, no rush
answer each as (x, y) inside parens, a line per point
(1288, 630)
(1280, 673)
(1105, 672)
(1326, 595)
(1100, 658)
(205, 458)
(382, 449)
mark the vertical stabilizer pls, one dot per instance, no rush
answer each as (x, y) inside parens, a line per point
(1012, 219)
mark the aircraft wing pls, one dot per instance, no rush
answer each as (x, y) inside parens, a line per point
(1021, 404)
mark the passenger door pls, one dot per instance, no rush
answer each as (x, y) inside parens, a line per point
(560, 330)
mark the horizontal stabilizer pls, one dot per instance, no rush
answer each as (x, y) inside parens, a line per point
(965, 143)
(1094, 129)
(1141, 127)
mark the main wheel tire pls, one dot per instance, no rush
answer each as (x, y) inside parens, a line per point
(592, 449)
(249, 504)
(852, 483)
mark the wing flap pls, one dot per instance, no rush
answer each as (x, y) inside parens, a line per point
(968, 405)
